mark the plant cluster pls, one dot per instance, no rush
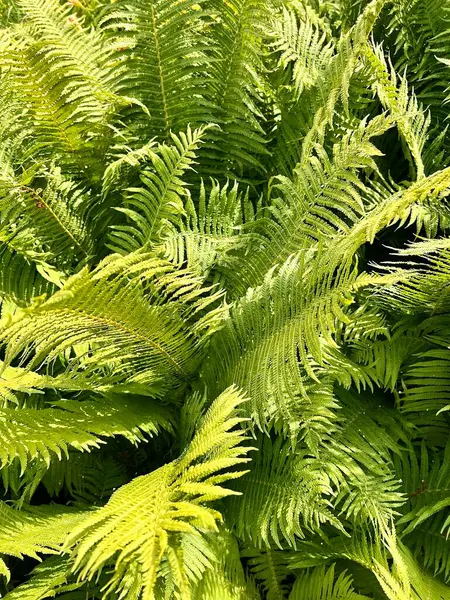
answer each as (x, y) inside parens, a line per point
(225, 300)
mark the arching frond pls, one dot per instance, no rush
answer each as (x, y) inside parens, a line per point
(46, 580)
(45, 225)
(324, 198)
(36, 530)
(168, 80)
(226, 579)
(411, 120)
(235, 88)
(303, 50)
(171, 500)
(271, 569)
(397, 209)
(59, 71)
(114, 325)
(293, 341)
(79, 425)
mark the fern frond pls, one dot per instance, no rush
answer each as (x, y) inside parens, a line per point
(292, 341)
(211, 239)
(125, 160)
(160, 201)
(322, 584)
(420, 40)
(170, 500)
(429, 497)
(235, 88)
(169, 81)
(303, 50)
(285, 494)
(67, 91)
(300, 126)
(412, 121)
(387, 358)
(361, 453)
(226, 578)
(46, 226)
(79, 425)
(188, 559)
(46, 580)
(21, 281)
(323, 198)
(334, 86)
(15, 380)
(90, 478)
(271, 570)
(114, 325)
(397, 209)
(422, 289)
(36, 530)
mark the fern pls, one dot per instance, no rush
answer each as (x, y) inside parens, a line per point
(320, 584)
(226, 579)
(33, 531)
(411, 121)
(121, 316)
(160, 201)
(170, 500)
(46, 226)
(282, 500)
(80, 425)
(303, 45)
(45, 579)
(224, 310)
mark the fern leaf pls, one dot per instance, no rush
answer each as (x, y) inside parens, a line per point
(160, 201)
(271, 569)
(109, 315)
(323, 198)
(211, 239)
(46, 225)
(322, 584)
(45, 579)
(67, 91)
(169, 81)
(79, 425)
(303, 50)
(36, 530)
(291, 341)
(286, 494)
(226, 578)
(21, 281)
(411, 120)
(235, 88)
(170, 500)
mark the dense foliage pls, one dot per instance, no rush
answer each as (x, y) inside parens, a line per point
(225, 306)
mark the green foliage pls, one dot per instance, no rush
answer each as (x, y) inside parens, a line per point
(167, 502)
(224, 307)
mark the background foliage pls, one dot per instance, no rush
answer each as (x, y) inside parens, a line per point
(225, 309)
